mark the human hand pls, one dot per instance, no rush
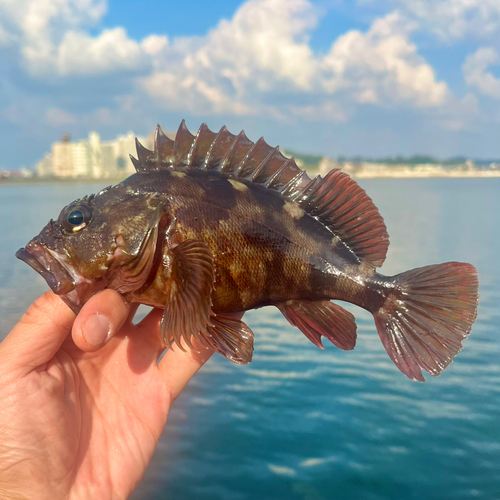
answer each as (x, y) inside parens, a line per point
(79, 419)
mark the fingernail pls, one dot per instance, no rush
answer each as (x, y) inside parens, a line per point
(97, 330)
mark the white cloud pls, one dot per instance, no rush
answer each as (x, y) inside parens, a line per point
(29, 21)
(112, 50)
(382, 66)
(265, 38)
(264, 50)
(454, 19)
(260, 61)
(56, 117)
(326, 111)
(154, 44)
(180, 91)
(51, 38)
(475, 73)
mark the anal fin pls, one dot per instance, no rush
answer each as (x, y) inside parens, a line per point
(321, 318)
(230, 337)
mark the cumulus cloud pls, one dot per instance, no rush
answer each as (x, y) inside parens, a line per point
(475, 73)
(326, 111)
(260, 61)
(454, 19)
(264, 48)
(112, 50)
(264, 51)
(51, 38)
(382, 65)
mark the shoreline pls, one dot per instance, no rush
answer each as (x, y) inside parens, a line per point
(437, 175)
(29, 181)
(355, 175)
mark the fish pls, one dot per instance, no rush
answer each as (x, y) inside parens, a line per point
(214, 224)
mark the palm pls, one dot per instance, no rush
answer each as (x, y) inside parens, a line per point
(122, 406)
(79, 425)
(87, 423)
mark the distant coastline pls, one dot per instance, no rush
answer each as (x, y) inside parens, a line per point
(107, 162)
(421, 175)
(361, 173)
(41, 181)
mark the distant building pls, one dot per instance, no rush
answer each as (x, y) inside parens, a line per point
(44, 167)
(368, 169)
(326, 164)
(90, 158)
(23, 173)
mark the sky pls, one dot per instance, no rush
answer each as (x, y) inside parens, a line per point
(335, 77)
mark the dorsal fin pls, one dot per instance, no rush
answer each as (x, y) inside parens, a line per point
(201, 144)
(336, 201)
(182, 146)
(216, 153)
(163, 147)
(342, 205)
(146, 158)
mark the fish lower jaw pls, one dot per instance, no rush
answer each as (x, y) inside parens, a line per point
(46, 263)
(82, 288)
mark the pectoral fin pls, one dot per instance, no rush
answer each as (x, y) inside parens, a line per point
(231, 338)
(188, 309)
(322, 318)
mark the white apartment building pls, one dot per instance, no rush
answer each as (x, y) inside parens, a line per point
(90, 158)
(44, 166)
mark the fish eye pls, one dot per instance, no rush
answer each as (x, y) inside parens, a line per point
(75, 217)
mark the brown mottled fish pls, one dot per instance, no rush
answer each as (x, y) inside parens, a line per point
(214, 224)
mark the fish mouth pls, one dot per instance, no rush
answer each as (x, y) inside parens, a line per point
(48, 267)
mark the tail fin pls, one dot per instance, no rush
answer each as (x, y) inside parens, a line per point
(427, 316)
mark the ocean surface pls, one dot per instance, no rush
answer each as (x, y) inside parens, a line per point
(299, 423)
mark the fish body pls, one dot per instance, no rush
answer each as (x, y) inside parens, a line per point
(215, 224)
(266, 250)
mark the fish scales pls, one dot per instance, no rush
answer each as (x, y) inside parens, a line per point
(212, 224)
(263, 254)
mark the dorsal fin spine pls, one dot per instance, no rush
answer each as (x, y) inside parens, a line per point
(198, 152)
(230, 152)
(145, 155)
(241, 166)
(213, 146)
(288, 189)
(137, 164)
(194, 145)
(183, 134)
(308, 191)
(263, 164)
(163, 147)
(272, 180)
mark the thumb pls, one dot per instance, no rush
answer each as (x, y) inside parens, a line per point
(39, 334)
(100, 319)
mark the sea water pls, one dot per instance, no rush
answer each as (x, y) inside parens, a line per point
(303, 424)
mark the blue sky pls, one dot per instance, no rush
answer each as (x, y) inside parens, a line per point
(336, 77)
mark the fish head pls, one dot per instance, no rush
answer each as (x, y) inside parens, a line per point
(111, 240)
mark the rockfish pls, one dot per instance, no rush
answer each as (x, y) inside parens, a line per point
(214, 224)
